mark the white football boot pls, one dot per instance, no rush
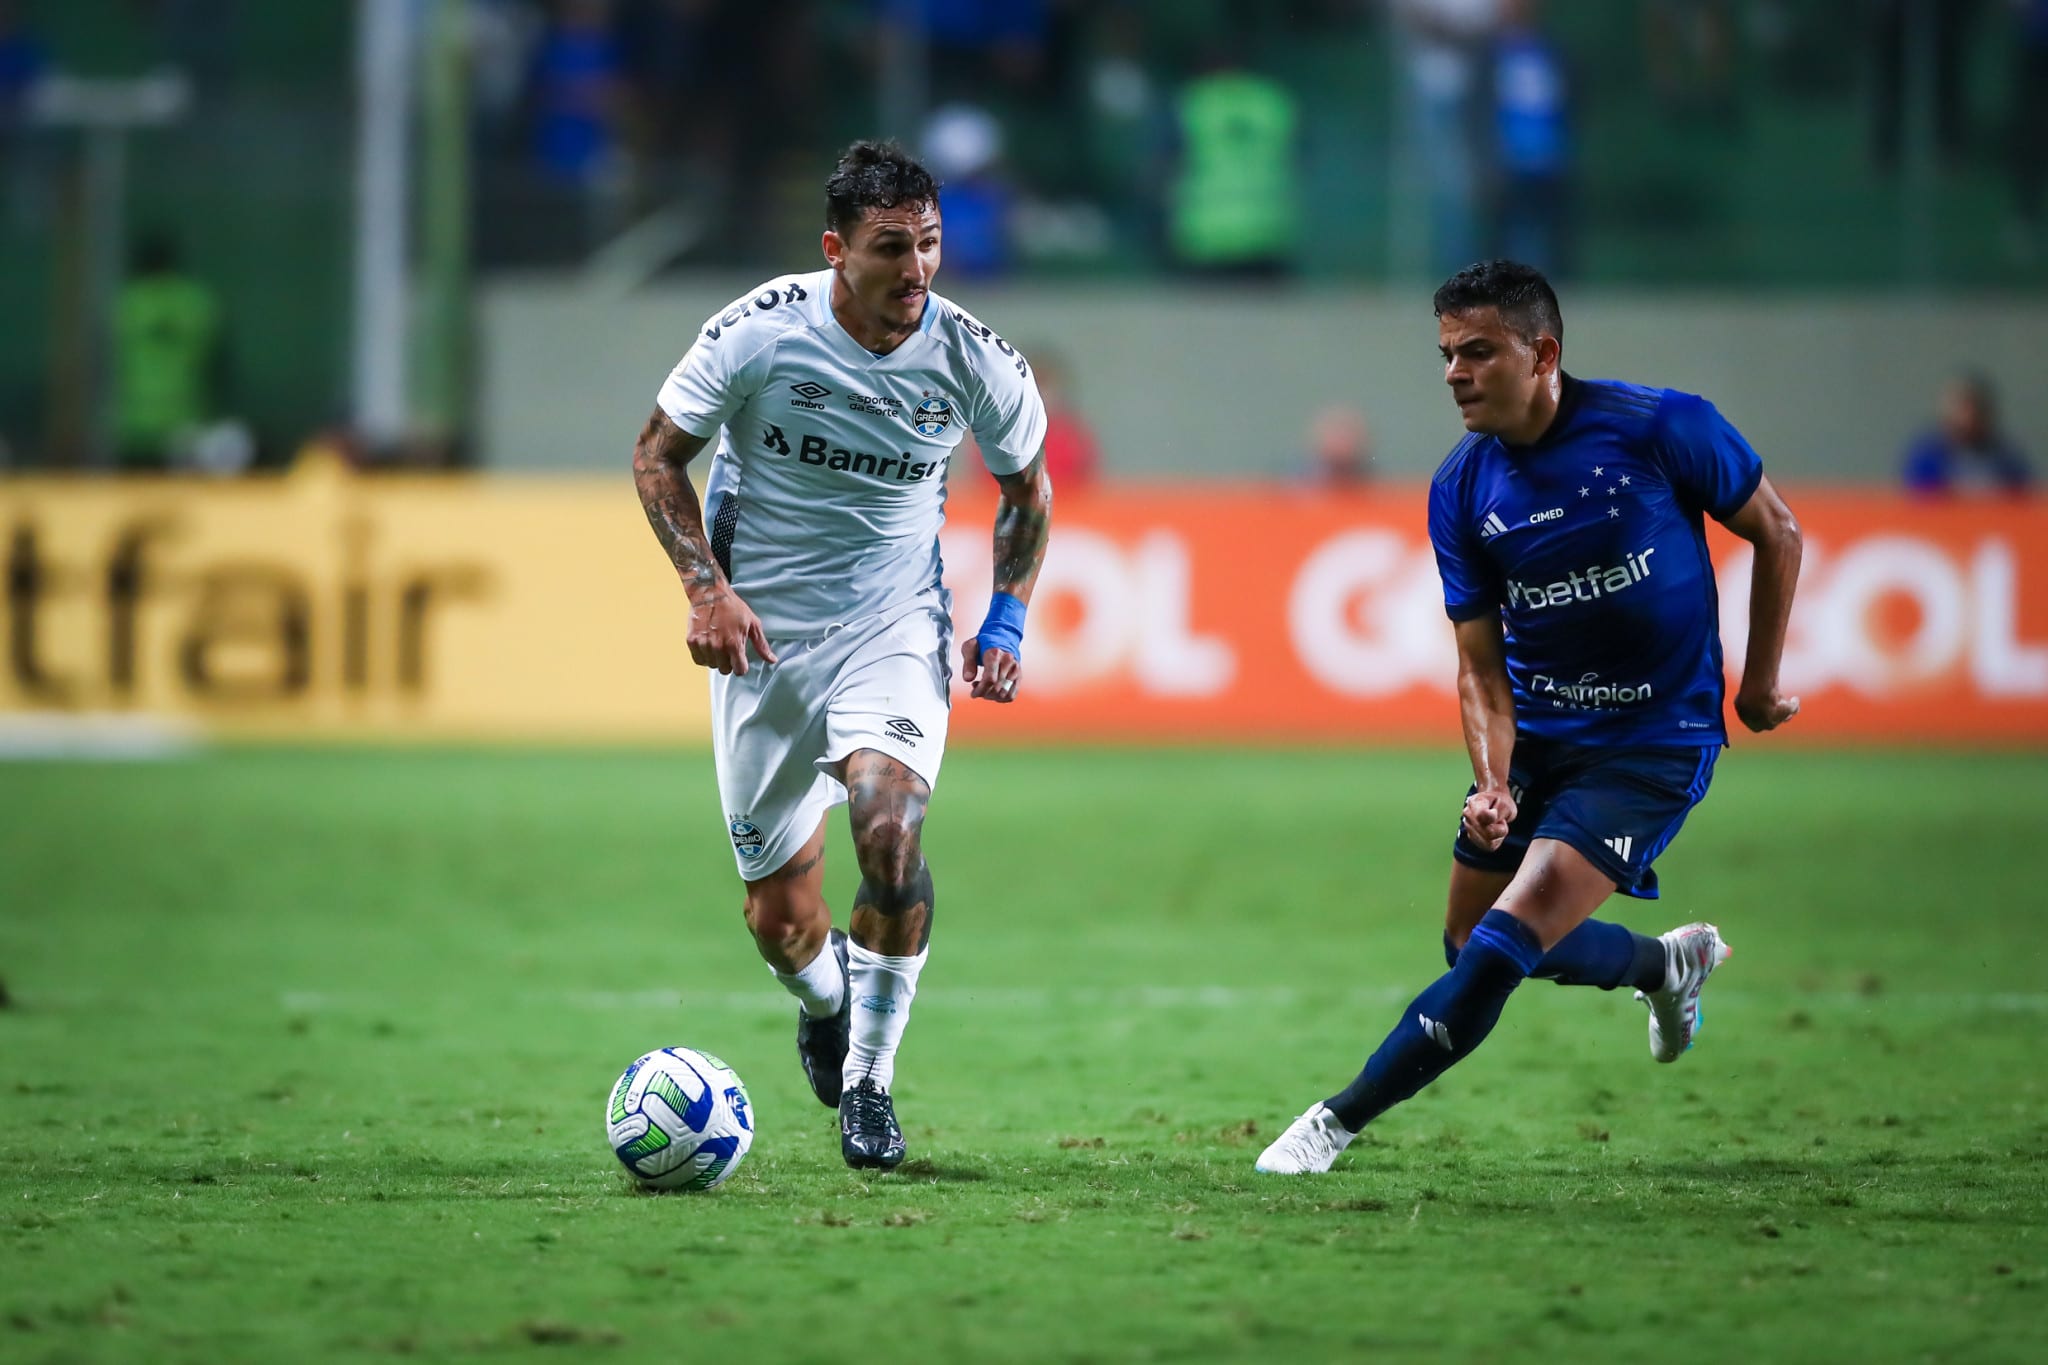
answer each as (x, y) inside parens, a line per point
(1308, 1146)
(1692, 952)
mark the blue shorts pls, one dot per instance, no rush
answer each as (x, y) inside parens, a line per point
(1621, 807)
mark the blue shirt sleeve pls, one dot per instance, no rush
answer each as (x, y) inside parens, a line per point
(1471, 585)
(1926, 465)
(1705, 458)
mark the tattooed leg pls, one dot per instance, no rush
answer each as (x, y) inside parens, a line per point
(786, 910)
(892, 910)
(892, 917)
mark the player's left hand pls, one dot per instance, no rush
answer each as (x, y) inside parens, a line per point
(1765, 708)
(1487, 818)
(993, 675)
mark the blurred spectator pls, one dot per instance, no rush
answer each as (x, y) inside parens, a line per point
(963, 146)
(1071, 455)
(1339, 449)
(23, 61)
(196, 36)
(1932, 35)
(975, 42)
(1966, 451)
(1532, 137)
(1444, 45)
(502, 34)
(2029, 132)
(578, 94)
(669, 56)
(1691, 49)
(167, 357)
(1234, 204)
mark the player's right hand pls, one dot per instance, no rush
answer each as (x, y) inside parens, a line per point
(993, 674)
(1764, 709)
(721, 628)
(1487, 817)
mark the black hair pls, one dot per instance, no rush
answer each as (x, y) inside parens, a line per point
(874, 175)
(1525, 299)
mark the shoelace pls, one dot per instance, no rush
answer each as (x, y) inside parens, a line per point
(870, 1107)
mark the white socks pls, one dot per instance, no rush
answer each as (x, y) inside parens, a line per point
(820, 987)
(879, 990)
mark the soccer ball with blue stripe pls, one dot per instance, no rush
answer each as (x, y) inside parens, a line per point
(679, 1120)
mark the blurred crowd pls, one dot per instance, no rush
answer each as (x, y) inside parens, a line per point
(1233, 139)
(1183, 133)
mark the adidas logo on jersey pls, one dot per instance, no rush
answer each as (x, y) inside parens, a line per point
(1492, 526)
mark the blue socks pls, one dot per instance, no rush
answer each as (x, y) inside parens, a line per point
(1597, 954)
(1446, 1022)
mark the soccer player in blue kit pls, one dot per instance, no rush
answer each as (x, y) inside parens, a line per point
(1569, 533)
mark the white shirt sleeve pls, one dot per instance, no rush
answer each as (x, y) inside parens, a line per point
(1008, 416)
(720, 372)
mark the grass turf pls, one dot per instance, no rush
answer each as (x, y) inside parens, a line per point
(306, 1055)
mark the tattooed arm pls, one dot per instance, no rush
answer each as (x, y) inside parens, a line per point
(1023, 522)
(721, 626)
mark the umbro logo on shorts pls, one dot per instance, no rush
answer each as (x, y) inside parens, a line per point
(905, 729)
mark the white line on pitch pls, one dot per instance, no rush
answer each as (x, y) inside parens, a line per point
(1042, 999)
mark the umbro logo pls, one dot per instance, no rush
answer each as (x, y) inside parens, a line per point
(810, 389)
(904, 729)
(1438, 1034)
(1623, 845)
(1492, 526)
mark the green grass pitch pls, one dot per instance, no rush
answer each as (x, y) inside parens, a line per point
(306, 1054)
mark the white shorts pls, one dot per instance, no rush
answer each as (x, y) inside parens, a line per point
(780, 733)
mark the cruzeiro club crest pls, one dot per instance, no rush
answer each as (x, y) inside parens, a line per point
(746, 838)
(931, 416)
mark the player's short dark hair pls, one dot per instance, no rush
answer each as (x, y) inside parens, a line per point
(1525, 299)
(875, 175)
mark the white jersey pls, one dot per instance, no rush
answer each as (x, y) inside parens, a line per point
(829, 486)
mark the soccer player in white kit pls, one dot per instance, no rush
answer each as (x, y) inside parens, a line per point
(836, 399)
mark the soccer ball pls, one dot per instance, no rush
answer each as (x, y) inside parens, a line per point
(679, 1120)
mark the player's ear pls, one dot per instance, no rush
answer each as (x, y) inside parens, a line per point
(1549, 355)
(834, 247)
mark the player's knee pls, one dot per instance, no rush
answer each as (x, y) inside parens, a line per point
(886, 846)
(778, 919)
(894, 898)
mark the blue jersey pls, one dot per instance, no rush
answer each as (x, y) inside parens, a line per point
(1591, 545)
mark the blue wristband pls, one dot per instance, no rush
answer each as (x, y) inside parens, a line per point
(1003, 628)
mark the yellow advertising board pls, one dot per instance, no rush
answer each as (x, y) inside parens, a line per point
(330, 605)
(327, 605)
